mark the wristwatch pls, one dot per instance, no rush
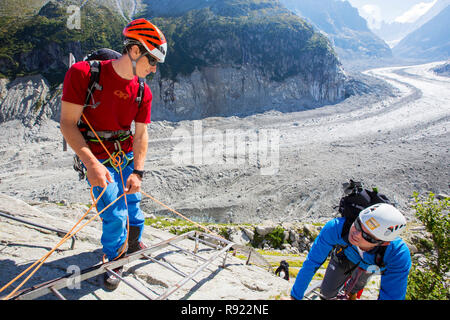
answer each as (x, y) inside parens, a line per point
(139, 173)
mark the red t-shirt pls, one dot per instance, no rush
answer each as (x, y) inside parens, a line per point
(117, 108)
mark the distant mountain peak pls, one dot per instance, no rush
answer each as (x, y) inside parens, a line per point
(344, 26)
(430, 42)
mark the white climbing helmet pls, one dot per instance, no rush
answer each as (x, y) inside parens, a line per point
(383, 221)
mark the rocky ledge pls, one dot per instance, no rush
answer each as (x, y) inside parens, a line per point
(22, 244)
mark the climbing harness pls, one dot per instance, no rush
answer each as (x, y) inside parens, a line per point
(124, 161)
(345, 291)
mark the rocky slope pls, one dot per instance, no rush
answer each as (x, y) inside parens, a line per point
(25, 99)
(22, 244)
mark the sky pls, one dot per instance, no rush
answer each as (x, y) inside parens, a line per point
(375, 11)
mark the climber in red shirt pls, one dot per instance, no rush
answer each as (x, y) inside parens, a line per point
(110, 111)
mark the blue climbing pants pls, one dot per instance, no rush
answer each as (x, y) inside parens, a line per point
(114, 218)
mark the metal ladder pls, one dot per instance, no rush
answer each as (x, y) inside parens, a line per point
(313, 291)
(53, 286)
(59, 232)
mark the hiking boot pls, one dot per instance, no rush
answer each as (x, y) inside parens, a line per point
(134, 244)
(139, 246)
(136, 247)
(111, 281)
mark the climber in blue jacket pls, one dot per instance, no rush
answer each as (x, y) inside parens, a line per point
(371, 245)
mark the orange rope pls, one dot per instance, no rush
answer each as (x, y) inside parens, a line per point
(116, 161)
(69, 235)
(176, 212)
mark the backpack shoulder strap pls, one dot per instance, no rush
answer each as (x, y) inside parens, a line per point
(95, 68)
(141, 90)
(346, 228)
(379, 256)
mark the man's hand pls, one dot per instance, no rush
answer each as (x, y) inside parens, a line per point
(133, 184)
(98, 175)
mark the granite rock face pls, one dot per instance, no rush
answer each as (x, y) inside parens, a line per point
(230, 91)
(24, 99)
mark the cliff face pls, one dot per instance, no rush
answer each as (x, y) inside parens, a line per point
(24, 99)
(240, 57)
(240, 91)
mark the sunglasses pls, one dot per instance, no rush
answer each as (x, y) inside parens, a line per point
(152, 61)
(365, 235)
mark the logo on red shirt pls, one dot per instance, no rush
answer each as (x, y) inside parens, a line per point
(121, 94)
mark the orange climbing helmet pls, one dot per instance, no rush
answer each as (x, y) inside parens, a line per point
(147, 34)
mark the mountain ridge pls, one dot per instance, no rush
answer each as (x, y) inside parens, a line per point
(394, 32)
(344, 26)
(429, 42)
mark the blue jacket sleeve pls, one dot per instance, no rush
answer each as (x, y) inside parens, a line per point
(328, 237)
(394, 280)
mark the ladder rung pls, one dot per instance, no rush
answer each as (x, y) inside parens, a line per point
(168, 266)
(57, 293)
(128, 283)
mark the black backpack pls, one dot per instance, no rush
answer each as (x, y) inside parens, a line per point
(355, 200)
(94, 59)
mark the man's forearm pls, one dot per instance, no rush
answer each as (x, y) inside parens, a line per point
(140, 146)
